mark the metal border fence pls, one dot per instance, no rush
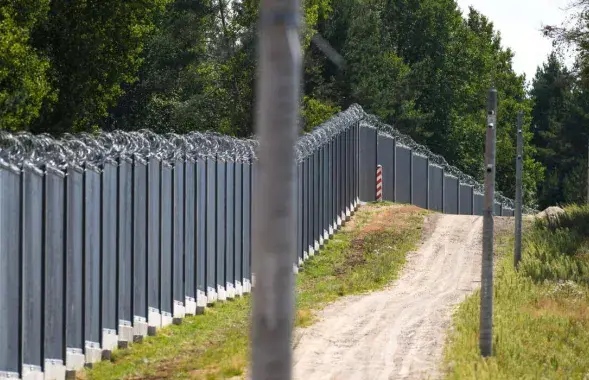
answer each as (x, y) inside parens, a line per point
(101, 246)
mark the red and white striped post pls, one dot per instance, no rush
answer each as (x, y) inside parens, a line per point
(379, 183)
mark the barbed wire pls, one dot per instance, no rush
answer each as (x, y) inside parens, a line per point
(96, 149)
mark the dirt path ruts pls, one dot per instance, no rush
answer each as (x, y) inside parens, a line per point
(397, 333)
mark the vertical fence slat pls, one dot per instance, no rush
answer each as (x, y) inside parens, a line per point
(247, 208)
(74, 269)
(220, 230)
(108, 265)
(211, 229)
(54, 272)
(139, 248)
(201, 237)
(229, 229)
(91, 279)
(154, 184)
(190, 236)
(177, 279)
(166, 249)
(10, 222)
(32, 271)
(238, 273)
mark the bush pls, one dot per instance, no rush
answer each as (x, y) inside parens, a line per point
(557, 250)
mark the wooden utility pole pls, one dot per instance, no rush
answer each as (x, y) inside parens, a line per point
(486, 326)
(273, 242)
(518, 191)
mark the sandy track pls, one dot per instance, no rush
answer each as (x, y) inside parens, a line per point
(397, 333)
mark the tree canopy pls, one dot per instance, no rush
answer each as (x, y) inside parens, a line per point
(182, 65)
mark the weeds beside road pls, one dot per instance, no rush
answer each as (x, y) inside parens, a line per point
(541, 326)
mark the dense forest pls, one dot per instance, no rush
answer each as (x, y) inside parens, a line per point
(181, 65)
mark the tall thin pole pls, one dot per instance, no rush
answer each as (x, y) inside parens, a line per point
(486, 327)
(273, 242)
(518, 190)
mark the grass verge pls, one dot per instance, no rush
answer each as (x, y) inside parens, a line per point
(541, 325)
(365, 255)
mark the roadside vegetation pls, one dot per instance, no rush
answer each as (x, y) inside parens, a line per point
(365, 255)
(541, 327)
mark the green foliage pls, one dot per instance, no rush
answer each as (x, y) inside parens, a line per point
(560, 115)
(94, 48)
(314, 112)
(23, 70)
(558, 249)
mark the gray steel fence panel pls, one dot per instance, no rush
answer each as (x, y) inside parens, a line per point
(330, 184)
(166, 249)
(497, 209)
(346, 171)
(153, 233)
(125, 243)
(324, 190)
(211, 224)
(334, 176)
(316, 199)
(230, 226)
(386, 158)
(350, 173)
(419, 186)
(319, 195)
(140, 239)
(402, 174)
(466, 199)
(505, 212)
(312, 200)
(220, 251)
(368, 158)
(108, 236)
(91, 279)
(450, 195)
(340, 182)
(201, 227)
(247, 221)
(479, 200)
(10, 239)
(74, 259)
(54, 264)
(178, 232)
(299, 213)
(238, 224)
(190, 228)
(305, 171)
(436, 188)
(32, 270)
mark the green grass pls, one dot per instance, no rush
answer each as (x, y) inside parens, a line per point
(541, 325)
(365, 255)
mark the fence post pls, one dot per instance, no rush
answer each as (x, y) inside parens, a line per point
(486, 318)
(273, 199)
(518, 191)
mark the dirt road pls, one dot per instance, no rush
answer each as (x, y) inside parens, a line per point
(397, 333)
